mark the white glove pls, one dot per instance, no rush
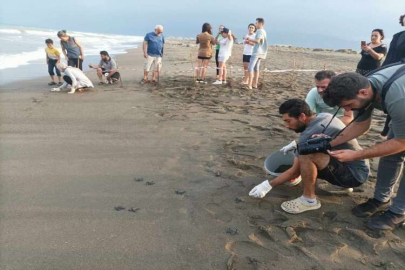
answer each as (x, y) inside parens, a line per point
(55, 89)
(261, 190)
(288, 148)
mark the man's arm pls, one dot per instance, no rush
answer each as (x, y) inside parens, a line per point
(386, 148)
(286, 176)
(347, 117)
(144, 47)
(351, 132)
(80, 48)
(64, 51)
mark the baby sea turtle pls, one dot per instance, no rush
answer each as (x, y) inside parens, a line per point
(180, 192)
(150, 183)
(232, 231)
(133, 209)
(239, 200)
(138, 179)
(119, 208)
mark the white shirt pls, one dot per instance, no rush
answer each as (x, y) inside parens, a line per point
(225, 49)
(79, 80)
(247, 48)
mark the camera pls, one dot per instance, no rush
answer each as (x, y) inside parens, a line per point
(315, 145)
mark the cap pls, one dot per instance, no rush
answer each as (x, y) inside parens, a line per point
(225, 30)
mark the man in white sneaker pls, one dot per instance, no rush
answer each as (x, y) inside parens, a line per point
(298, 116)
(153, 52)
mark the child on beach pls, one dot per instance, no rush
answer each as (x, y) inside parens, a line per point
(52, 57)
(206, 40)
(225, 51)
(247, 51)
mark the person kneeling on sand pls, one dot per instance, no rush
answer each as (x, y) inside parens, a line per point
(298, 117)
(74, 77)
(108, 68)
(316, 103)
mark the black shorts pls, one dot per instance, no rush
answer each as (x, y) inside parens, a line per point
(204, 57)
(337, 173)
(246, 58)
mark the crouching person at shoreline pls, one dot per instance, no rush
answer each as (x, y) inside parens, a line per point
(74, 77)
(298, 117)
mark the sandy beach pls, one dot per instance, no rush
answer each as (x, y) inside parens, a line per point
(95, 180)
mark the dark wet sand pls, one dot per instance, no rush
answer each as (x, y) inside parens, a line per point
(69, 162)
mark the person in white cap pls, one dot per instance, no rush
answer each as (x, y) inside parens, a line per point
(74, 77)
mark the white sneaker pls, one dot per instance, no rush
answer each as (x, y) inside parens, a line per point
(55, 90)
(299, 205)
(334, 189)
(293, 182)
(217, 82)
(223, 82)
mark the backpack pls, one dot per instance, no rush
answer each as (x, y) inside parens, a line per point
(399, 73)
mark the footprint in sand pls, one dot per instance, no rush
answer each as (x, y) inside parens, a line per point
(218, 212)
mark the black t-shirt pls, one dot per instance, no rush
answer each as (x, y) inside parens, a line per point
(401, 46)
(367, 62)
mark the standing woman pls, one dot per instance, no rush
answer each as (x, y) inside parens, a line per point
(218, 38)
(72, 49)
(225, 51)
(206, 40)
(248, 50)
(372, 53)
(395, 53)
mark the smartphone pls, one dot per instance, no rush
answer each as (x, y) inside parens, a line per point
(363, 43)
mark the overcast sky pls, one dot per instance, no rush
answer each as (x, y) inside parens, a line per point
(296, 22)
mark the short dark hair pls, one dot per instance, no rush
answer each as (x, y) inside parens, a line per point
(324, 74)
(401, 20)
(344, 87)
(48, 40)
(379, 31)
(260, 20)
(207, 28)
(252, 24)
(61, 33)
(104, 53)
(295, 107)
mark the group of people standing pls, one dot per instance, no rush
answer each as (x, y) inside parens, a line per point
(107, 70)
(372, 54)
(255, 49)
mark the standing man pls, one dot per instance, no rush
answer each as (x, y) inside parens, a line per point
(316, 103)
(72, 49)
(107, 67)
(355, 92)
(152, 52)
(259, 53)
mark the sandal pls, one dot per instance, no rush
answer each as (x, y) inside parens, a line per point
(52, 83)
(60, 83)
(144, 81)
(100, 83)
(299, 206)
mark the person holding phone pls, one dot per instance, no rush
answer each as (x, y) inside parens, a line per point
(372, 53)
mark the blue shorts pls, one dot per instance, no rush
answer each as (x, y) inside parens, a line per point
(254, 64)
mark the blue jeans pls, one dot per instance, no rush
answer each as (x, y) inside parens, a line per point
(390, 171)
(254, 63)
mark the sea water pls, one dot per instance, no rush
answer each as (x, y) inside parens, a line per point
(22, 50)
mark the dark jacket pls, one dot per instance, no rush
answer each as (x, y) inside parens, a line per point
(396, 51)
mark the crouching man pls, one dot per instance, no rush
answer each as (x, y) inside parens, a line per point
(107, 70)
(298, 117)
(74, 77)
